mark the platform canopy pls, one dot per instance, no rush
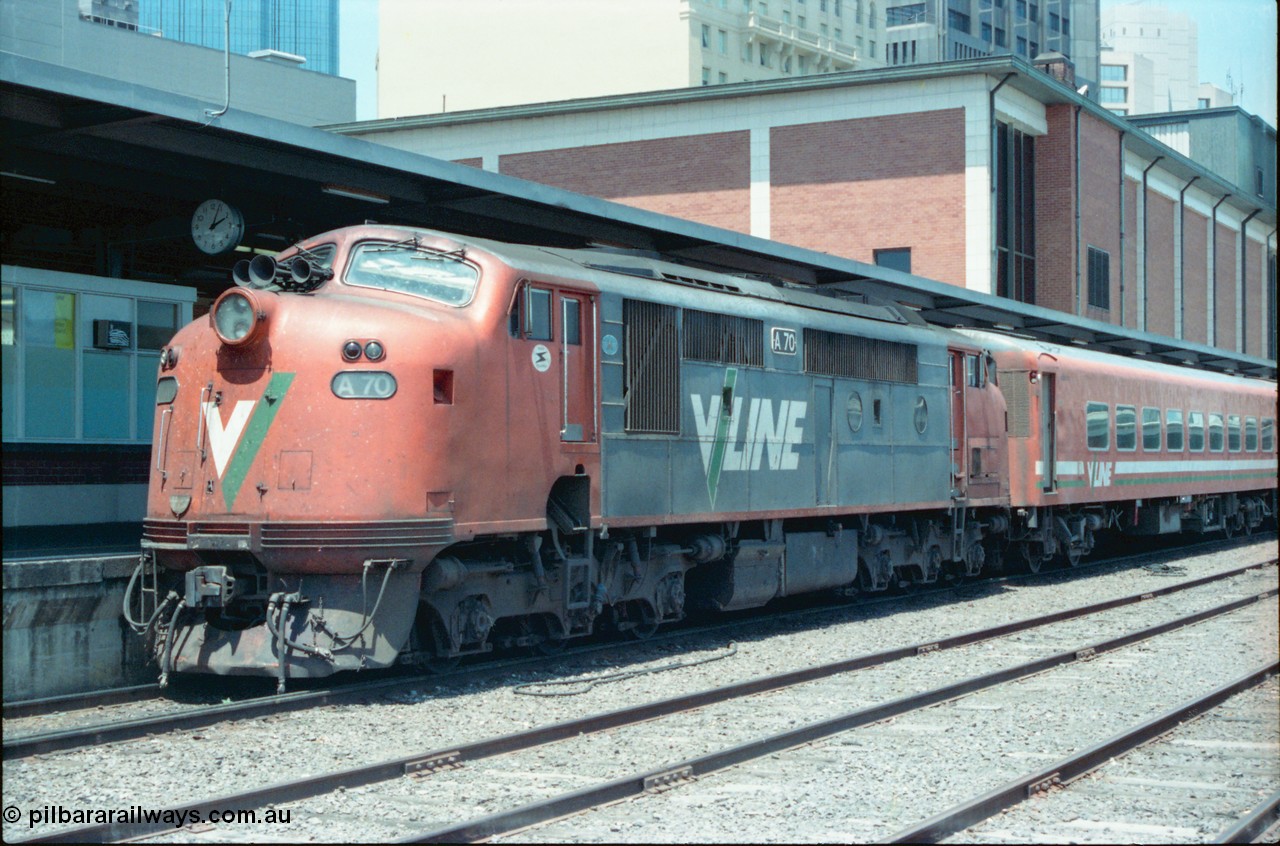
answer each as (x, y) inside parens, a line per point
(96, 172)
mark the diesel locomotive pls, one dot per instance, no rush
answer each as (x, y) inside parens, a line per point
(390, 445)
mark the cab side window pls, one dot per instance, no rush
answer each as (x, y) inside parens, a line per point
(531, 316)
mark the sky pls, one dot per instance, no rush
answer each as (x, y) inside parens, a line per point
(1236, 37)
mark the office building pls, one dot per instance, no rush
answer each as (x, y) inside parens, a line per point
(300, 29)
(1149, 60)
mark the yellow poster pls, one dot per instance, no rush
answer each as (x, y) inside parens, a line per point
(64, 321)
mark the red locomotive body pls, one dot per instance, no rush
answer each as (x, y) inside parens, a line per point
(392, 444)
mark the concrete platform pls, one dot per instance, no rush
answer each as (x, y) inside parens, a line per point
(63, 630)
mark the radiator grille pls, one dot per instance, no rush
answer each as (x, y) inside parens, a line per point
(1017, 400)
(723, 339)
(833, 354)
(653, 368)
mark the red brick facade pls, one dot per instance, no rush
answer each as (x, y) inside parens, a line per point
(851, 187)
(1130, 258)
(706, 178)
(1161, 212)
(1195, 275)
(1254, 302)
(1055, 212)
(1224, 268)
(1100, 208)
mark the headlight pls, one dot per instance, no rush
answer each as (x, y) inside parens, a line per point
(238, 316)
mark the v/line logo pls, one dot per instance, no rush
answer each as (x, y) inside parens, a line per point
(770, 433)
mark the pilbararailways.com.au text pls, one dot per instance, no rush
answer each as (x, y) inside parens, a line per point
(138, 815)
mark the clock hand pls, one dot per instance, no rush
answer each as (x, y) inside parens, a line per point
(216, 222)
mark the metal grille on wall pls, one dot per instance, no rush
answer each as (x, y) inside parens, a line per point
(833, 354)
(723, 338)
(652, 391)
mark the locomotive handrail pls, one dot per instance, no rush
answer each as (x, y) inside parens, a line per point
(200, 422)
(165, 415)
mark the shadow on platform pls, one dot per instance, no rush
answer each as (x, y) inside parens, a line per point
(36, 542)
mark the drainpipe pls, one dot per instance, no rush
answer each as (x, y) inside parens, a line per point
(1123, 133)
(1079, 293)
(1181, 328)
(1244, 281)
(1212, 304)
(226, 49)
(991, 171)
(1269, 291)
(1143, 274)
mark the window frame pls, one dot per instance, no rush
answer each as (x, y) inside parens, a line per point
(1196, 424)
(1147, 419)
(1095, 408)
(1221, 431)
(1235, 433)
(1169, 430)
(1132, 437)
(1251, 425)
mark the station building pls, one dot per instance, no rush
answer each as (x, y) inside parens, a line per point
(991, 174)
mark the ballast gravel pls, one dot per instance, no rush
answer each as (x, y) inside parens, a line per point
(164, 771)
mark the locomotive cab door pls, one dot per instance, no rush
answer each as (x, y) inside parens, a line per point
(577, 367)
(1048, 432)
(959, 460)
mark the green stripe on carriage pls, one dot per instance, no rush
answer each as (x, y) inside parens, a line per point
(264, 413)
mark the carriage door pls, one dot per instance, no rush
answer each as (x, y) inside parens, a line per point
(1048, 433)
(577, 368)
(959, 462)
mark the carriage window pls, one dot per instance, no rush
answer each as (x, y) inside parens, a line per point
(1233, 432)
(1195, 431)
(1173, 430)
(1215, 432)
(1251, 434)
(1151, 429)
(1126, 427)
(1268, 434)
(1097, 417)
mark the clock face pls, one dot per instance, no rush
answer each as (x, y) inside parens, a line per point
(216, 227)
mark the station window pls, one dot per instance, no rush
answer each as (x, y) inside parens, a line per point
(1251, 434)
(81, 354)
(1268, 434)
(1195, 431)
(1215, 432)
(1151, 430)
(1173, 430)
(1097, 417)
(1126, 428)
(1233, 432)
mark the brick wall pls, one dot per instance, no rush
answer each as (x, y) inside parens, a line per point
(1224, 309)
(1195, 275)
(700, 177)
(1055, 212)
(1160, 217)
(1100, 206)
(1131, 188)
(1255, 304)
(851, 187)
(475, 162)
(31, 464)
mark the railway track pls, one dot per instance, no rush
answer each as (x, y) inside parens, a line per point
(438, 763)
(20, 742)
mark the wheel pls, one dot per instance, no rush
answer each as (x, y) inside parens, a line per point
(1072, 554)
(645, 619)
(1032, 556)
(1228, 527)
(429, 641)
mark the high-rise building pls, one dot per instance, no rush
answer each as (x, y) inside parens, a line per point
(296, 28)
(942, 30)
(451, 55)
(1167, 79)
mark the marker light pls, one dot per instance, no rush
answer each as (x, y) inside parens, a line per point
(351, 350)
(374, 350)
